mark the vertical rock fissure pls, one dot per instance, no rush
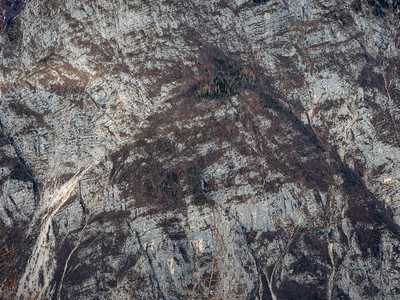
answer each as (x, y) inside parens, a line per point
(67, 261)
(332, 275)
(251, 251)
(41, 263)
(382, 288)
(390, 105)
(150, 261)
(258, 267)
(21, 160)
(276, 264)
(77, 245)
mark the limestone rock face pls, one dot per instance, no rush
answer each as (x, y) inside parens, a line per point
(201, 149)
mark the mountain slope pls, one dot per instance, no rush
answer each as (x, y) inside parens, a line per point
(188, 149)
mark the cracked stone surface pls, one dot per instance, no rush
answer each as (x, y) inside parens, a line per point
(201, 149)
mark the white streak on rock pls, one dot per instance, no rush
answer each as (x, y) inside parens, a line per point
(41, 265)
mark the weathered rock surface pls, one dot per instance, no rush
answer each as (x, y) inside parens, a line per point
(188, 149)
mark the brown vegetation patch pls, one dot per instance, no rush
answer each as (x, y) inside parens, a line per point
(9, 10)
(220, 78)
(293, 290)
(172, 228)
(22, 110)
(19, 172)
(109, 216)
(369, 79)
(384, 127)
(154, 184)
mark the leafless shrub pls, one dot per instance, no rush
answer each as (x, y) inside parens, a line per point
(8, 285)
(207, 283)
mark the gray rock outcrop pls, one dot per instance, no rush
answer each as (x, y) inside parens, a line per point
(201, 149)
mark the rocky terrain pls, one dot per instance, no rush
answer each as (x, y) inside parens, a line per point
(219, 149)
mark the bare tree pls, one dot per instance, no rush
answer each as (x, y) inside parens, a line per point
(207, 284)
(8, 285)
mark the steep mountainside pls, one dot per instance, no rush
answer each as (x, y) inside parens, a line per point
(219, 149)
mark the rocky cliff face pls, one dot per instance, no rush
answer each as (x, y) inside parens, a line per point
(201, 149)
